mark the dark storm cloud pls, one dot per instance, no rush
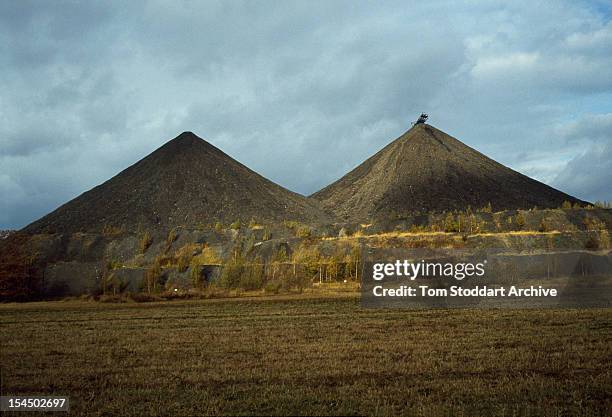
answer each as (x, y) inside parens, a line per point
(299, 91)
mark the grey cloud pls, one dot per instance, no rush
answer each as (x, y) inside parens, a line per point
(299, 91)
(591, 127)
(27, 141)
(44, 33)
(588, 175)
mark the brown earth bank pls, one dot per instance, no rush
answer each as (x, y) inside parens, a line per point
(274, 257)
(316, 356)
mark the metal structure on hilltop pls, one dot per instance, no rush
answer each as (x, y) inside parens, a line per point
(422, 119)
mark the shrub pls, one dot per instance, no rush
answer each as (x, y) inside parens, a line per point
(604, 239)
(309, 258)
(299, 281)
(544, 226)
(152, 275)
(291, 224)
(109, 230)
(298, 229)
(353, 262)
(598, 240)
(112, 284)
(218, 227)
(303, 231)
(196, 276)
(273, 287)
(183, 262)
(476, 225)
(183, 257)
(460, 222)
(592, 223)
(603, 204)
(333, 267)
(249, 244)
(208, 256)
(252, 277)
(267, 235)
(281, 254)
(592, 243)
(145, 242)
(566, 205)
(232, 271)
(236, 225)
(111, 264)
(172, 236)
(417, 229)
(253, 224)
(449, 223)
(520, 220)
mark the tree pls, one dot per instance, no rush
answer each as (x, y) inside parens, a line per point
(196, 276)
(232, 271)
(152, 275)
(353, 260)
(172, 236)
(449, 223)
(184, 255)
(544, 226)
(520, 220)
(145, 242)
(309, 259)
(303, 231)
(252, 276)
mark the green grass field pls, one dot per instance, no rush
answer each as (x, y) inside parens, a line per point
(306, 356)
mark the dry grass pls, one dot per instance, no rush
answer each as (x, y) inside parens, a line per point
(522, 233)
(399, 234)
(306, 356)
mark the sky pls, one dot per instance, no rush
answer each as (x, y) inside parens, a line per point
(300, 92)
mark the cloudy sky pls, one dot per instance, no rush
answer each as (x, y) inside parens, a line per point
(299, 91)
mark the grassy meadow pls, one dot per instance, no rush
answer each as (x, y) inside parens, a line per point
(305, 355)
